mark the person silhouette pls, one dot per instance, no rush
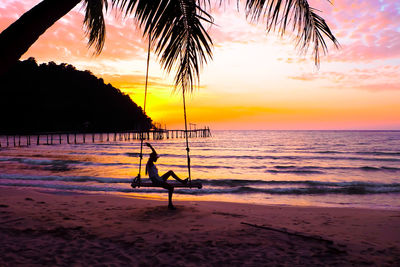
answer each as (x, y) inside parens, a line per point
(158, 180)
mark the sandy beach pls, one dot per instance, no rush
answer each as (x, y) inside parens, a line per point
(69, 229)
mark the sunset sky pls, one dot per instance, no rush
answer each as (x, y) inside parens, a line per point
(255, 81)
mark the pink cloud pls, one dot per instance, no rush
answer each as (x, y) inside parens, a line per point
(381, 78)
(305, 77)
(378, 87)
(11, 10)
(367, 30)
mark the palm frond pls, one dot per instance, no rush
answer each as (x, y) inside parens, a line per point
(94, 23)
(177, 35)
(309, 27)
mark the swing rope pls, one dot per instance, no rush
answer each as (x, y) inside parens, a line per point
(144, 110)
(186, 136)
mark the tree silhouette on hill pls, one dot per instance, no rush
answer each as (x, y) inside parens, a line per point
(51, 97)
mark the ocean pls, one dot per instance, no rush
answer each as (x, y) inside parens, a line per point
(307, 168)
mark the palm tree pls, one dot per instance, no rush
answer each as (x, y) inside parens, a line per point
(175, 29)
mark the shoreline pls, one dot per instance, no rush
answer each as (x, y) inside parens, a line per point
(42, 228)
(301, 201)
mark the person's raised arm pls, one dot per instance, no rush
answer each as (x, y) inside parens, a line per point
(151, 147)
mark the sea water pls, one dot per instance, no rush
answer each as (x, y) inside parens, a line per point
(308, 168)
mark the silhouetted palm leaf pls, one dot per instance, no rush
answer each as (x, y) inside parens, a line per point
(308, 26)
(94, 23)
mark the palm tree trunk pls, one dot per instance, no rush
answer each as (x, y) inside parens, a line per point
(23, 33)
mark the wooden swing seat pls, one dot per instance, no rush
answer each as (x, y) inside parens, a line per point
(149, 183)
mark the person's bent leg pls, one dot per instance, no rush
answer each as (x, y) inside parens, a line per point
(170, 173)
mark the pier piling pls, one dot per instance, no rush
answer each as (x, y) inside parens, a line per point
(51, 137)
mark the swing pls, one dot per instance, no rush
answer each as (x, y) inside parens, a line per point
(138, 181)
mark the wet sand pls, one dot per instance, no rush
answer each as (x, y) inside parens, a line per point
(44, 228)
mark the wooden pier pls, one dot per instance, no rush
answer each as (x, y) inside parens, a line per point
(54, 138)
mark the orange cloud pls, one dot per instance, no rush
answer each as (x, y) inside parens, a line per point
(369, 30)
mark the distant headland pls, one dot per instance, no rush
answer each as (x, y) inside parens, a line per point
(50, 97)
